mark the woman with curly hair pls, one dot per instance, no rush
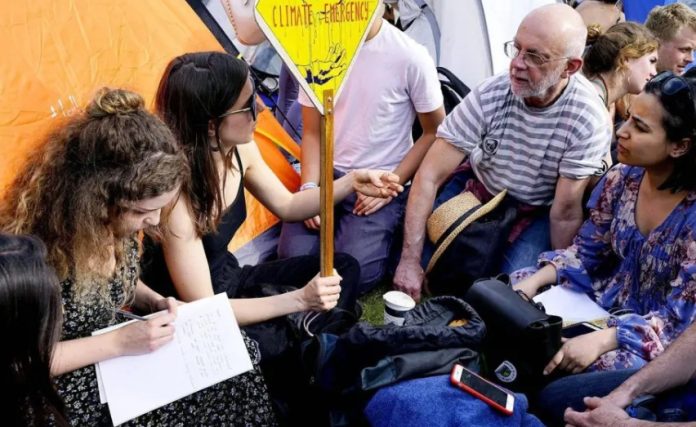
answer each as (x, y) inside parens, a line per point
(30, 320)
(96, 183)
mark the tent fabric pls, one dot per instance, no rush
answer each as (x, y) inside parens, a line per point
(58, 53)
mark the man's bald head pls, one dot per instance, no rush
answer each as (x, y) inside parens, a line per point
(549, 45)
(559, 26)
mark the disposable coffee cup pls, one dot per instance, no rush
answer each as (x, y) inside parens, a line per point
(396, 305)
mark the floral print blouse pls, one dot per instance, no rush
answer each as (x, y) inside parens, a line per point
(653, 276)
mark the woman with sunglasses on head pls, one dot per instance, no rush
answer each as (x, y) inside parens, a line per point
(637, 250)
(97, 182)
(30, 319)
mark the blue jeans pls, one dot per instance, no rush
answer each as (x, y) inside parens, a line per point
(569, 392)
(367, 238)
(523, 252)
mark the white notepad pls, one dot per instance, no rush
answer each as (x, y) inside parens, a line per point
(207, 348)
(572, 306)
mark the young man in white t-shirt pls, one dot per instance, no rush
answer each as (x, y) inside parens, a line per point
(392, 82)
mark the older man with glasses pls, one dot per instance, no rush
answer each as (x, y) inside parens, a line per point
(540, 131)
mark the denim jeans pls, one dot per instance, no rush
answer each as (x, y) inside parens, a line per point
(523, 252)
(569, 392)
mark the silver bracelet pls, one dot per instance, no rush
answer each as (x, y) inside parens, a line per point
(308, 186)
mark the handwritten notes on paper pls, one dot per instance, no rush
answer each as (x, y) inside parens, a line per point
(207, 348)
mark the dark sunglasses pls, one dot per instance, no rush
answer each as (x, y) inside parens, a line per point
(675, 91)
(250, 107)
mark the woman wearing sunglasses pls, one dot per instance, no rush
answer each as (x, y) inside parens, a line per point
(208, 101)
(637, 250)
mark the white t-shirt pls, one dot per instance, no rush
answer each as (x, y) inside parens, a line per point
(393, 78)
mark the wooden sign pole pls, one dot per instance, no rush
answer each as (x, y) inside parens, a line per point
(326, 185)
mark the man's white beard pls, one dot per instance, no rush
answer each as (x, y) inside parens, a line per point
(540, 89)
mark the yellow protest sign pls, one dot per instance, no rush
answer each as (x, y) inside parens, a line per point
(317, 39)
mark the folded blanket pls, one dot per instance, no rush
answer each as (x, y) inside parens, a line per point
(435, 401)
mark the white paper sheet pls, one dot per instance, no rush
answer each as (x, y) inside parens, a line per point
(572, 306)
(207, 348)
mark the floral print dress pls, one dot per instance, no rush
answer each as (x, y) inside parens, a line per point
(240, 401)
(653, 276)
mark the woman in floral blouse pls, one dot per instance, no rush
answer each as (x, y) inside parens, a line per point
(637, 250)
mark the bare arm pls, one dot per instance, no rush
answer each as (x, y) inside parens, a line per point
(266, 186)
(75, 354)
(320, 294)
(429, 122)
(136, 338)
(190, 273)
(437, 165)
(311, 139)
(605, 414)
(566, 211)
(409, 164)
(546, 275)
(676, 366)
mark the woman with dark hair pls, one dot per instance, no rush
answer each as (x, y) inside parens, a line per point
(96, 183)
(637, 250)
(30, 320)
(209, 102)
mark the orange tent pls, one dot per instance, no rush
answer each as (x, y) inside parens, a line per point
(58, 53)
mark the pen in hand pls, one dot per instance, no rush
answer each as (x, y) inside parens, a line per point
(129, 315)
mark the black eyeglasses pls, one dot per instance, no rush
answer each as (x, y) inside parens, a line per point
(674, 90)
(250, 107)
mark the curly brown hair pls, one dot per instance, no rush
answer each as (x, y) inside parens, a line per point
(74, 188)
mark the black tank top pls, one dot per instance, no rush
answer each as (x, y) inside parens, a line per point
(154, 271)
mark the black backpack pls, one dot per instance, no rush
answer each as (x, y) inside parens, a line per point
(453, 91)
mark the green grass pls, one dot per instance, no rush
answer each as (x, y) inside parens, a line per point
(373, 305)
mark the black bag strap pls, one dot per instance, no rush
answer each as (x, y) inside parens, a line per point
(454, 82)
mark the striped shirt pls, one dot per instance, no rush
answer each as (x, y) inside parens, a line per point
(524, 149)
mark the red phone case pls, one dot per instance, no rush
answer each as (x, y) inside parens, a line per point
(455, 381)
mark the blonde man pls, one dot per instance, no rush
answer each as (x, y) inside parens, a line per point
(675, 26)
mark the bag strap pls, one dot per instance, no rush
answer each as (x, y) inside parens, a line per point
(459, 86)
(434, 26)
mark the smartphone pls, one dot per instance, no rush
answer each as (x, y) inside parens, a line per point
(577, 329)
(497, 397)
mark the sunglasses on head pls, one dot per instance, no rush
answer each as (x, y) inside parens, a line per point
(675, 90)
(250, 106)
(675, 93)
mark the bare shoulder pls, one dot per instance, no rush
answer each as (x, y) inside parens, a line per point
(180, 223)
(250, 155)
